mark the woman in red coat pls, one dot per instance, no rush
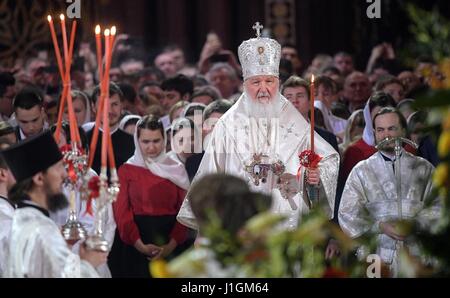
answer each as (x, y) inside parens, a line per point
(152, 189)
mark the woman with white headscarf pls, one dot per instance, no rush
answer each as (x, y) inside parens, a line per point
(184, 137)
(354, 129)
(128, 123)
(81, 107)
(365, 147)
(194, 111)
(153, 187)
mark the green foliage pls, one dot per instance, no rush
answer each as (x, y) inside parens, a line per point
(431, 31)
(436, 102)
(264, 249)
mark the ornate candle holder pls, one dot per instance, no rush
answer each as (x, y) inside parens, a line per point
(107, 194)
(73, 230)
(75, 162)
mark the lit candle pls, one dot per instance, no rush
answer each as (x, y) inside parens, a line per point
(113, 36)
(100, 105)
(107, 152)
(66, 77)
(68, 59)
(98, 41)
(55, 46)
(112, 162)
(311, 94)
(105, 137)
(107, 53)
(64, 36)
(73, 120)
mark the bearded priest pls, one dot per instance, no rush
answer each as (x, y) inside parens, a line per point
(260, 139)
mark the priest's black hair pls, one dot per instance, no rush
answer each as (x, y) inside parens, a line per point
(389, 110)
(27, 98)
(180, 83)
(113, 90)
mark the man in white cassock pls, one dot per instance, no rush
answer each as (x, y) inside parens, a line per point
(37, 247)
(381, 191)
(6, 207)
(260, 137)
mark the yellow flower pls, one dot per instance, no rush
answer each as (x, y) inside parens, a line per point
(440, 175)
(444, 143)
(426, 71)
(158, 269)
(435, 82)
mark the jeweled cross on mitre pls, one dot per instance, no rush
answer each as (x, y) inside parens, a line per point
(258, 28)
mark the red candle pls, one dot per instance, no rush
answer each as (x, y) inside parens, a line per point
(64, 36)
(311, 94)
(105, 137)
(57, 133)
(112, 162)
(74, 134)
(107, 152)
(113, 36)
(107, 54)
(56, 46)
(98, 41)
(72, 39)
(66, 78)
(73, 120)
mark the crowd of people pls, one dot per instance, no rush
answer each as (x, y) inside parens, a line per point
(174, 123)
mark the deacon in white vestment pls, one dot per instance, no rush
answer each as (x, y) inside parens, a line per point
(370, 201)
(6, 214)
(37, 248)
(6, 208)
(260, 137)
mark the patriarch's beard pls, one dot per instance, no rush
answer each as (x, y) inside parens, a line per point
(263, 106)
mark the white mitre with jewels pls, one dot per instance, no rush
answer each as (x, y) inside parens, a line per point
(260, 55)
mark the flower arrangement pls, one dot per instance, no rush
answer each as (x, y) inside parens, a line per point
(262, 250)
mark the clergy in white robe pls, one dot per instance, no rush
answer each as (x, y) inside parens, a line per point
(259, 140)
(6, 214)
(37, 248)
(370, 201)
(6, 207)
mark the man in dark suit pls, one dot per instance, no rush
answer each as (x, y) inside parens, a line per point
(123, 143)
(29, 113)
(296, 90)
